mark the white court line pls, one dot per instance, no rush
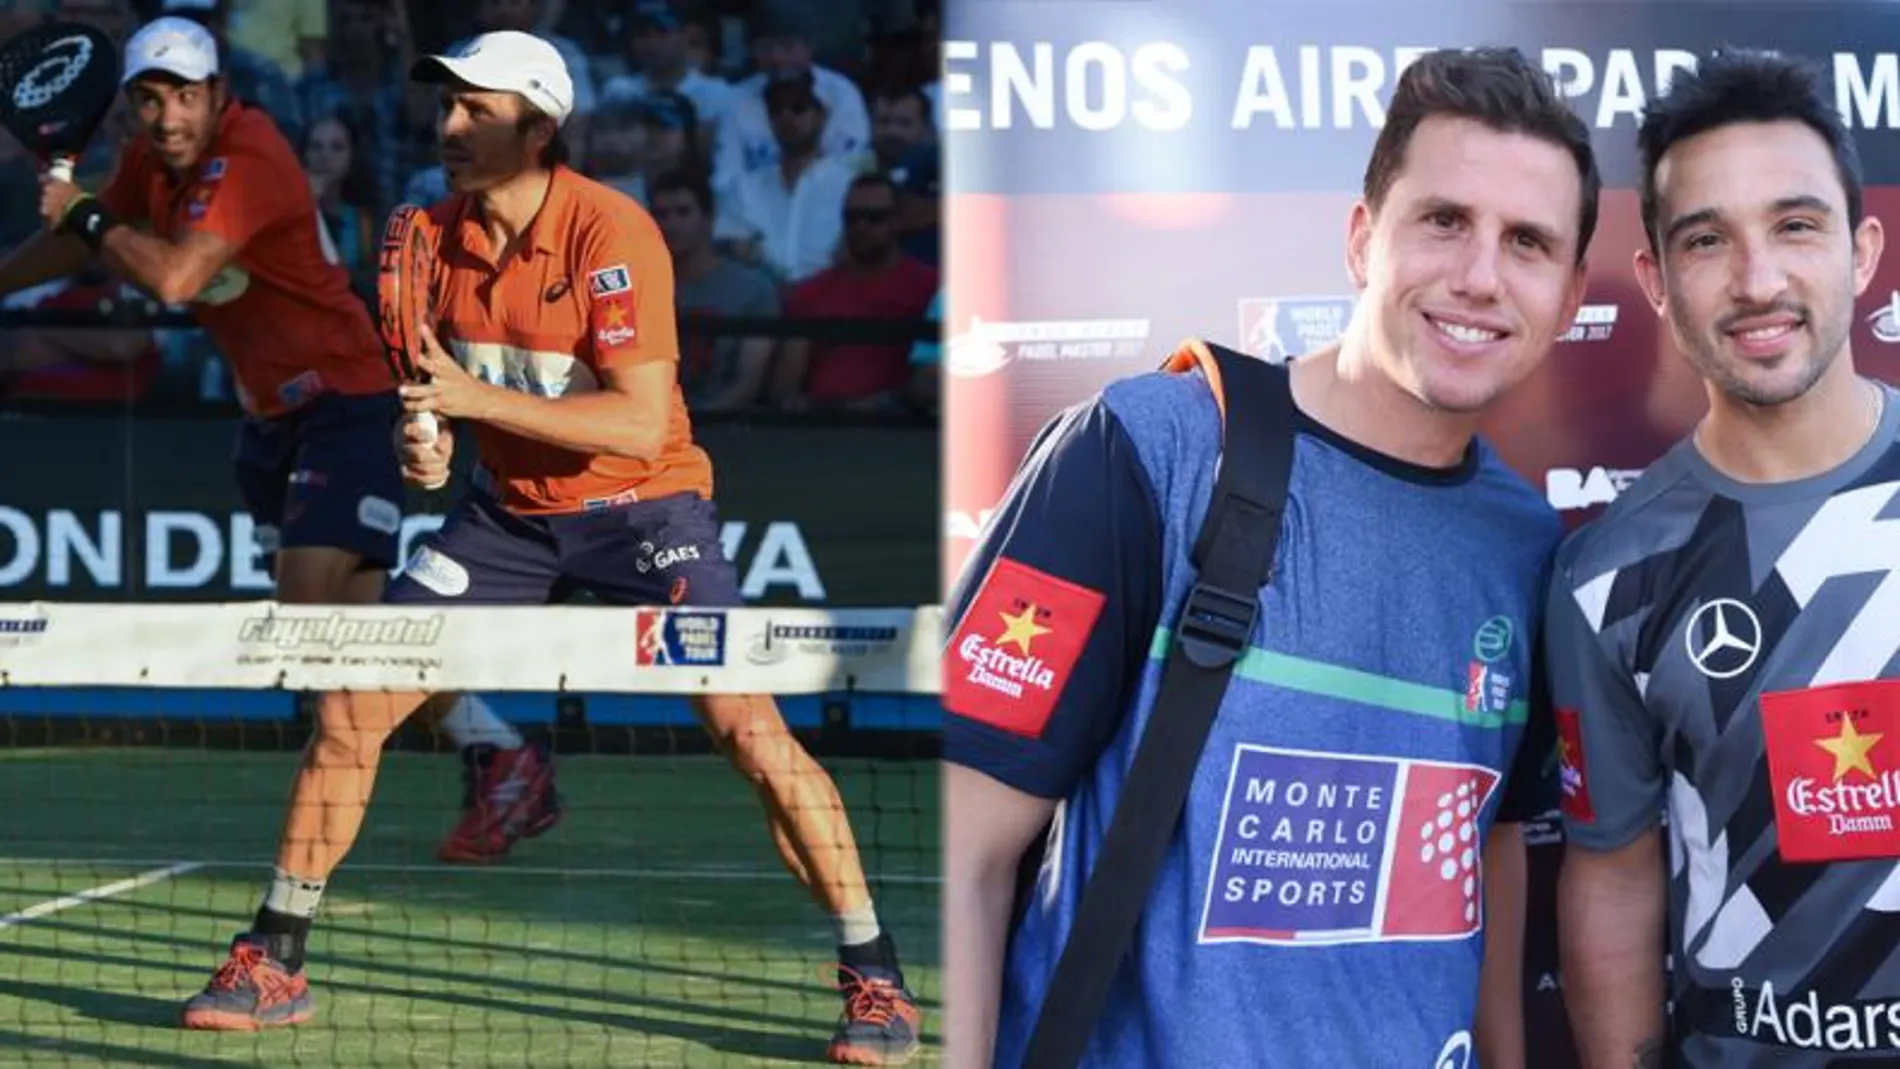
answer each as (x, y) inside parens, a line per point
(708, 873)
(94, 894)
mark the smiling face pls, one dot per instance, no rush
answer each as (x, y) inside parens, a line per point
(1758, 264)
(1469, 265)
(179, 118)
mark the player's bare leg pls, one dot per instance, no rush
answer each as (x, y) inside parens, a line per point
(332, 788)
(325, 575)
(880, 1023)
(509, 792)
(807, 818)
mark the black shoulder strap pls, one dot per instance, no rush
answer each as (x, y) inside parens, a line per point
(1234, 558)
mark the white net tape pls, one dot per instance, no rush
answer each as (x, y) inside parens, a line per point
(263, 645)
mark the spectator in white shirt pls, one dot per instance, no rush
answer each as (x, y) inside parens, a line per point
(781, 48)
(793, 210)
(663, 61)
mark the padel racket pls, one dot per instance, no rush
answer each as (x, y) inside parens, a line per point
(404, 297)
(57, 81)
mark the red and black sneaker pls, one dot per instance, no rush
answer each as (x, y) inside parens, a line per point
(252, 990)
(510, 795)
(881, 1024)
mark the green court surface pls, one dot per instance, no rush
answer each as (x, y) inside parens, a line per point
(654, 926)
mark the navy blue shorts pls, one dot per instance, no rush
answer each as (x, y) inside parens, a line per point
(660, 552)
(325, 475)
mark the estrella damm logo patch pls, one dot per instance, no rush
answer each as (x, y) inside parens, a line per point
(1012, 654)
(1834, 765)
(1571, 772)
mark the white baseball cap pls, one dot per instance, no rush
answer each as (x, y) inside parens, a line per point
(175, 46)
(508, 61)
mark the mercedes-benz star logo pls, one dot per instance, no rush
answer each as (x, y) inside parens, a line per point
(1723, 638)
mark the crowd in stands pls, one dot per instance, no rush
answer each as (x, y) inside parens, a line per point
(788, 150)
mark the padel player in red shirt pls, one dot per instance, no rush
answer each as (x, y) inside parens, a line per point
(212, 209)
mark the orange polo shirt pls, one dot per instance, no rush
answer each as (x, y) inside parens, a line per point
(281, 311)
(590, 288)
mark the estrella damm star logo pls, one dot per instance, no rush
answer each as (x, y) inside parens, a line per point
(616, 314)
(1850, 749)
(1021, 629)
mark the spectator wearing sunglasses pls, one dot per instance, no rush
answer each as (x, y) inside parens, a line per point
(873, 280)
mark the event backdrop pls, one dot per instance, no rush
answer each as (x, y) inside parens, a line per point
(145, 510)
(1128, 173)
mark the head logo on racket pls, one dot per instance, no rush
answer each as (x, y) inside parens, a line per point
(404, 296)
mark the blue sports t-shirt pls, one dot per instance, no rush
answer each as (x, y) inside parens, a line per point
(1319, 903)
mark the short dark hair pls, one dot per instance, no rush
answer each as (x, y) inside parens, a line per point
(1733, 86)
(555, 152)
(683, 180)
(359, 182)
(902, 91)
(873, 178)
(1499, 88)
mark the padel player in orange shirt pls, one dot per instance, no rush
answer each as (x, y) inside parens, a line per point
(556, 348)
(212, 209)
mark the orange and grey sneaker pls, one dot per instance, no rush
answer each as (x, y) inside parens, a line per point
(509, 795)
(881, 1024)
(252, 990)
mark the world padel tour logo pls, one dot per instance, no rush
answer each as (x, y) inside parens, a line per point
(1833, 770)
(1016, 646)
(1321, 848)
(1488, 687)
(987, 348)
(678, 638)
(1276, 329)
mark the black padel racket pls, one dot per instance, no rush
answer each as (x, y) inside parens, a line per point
(57, 81)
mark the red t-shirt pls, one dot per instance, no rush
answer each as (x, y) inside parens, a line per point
(851, 372)
(281, 311)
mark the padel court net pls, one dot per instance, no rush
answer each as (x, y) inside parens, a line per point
(147, 754)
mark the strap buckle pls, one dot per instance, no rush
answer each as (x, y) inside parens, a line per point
(1216, 626)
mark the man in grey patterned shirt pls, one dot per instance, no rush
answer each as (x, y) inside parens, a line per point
(1725, 642)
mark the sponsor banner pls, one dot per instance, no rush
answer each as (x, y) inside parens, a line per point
(986, 348)
(263, 645)
(149, 511)
(1187, 97)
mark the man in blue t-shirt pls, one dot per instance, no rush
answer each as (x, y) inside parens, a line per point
(1335, 893)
